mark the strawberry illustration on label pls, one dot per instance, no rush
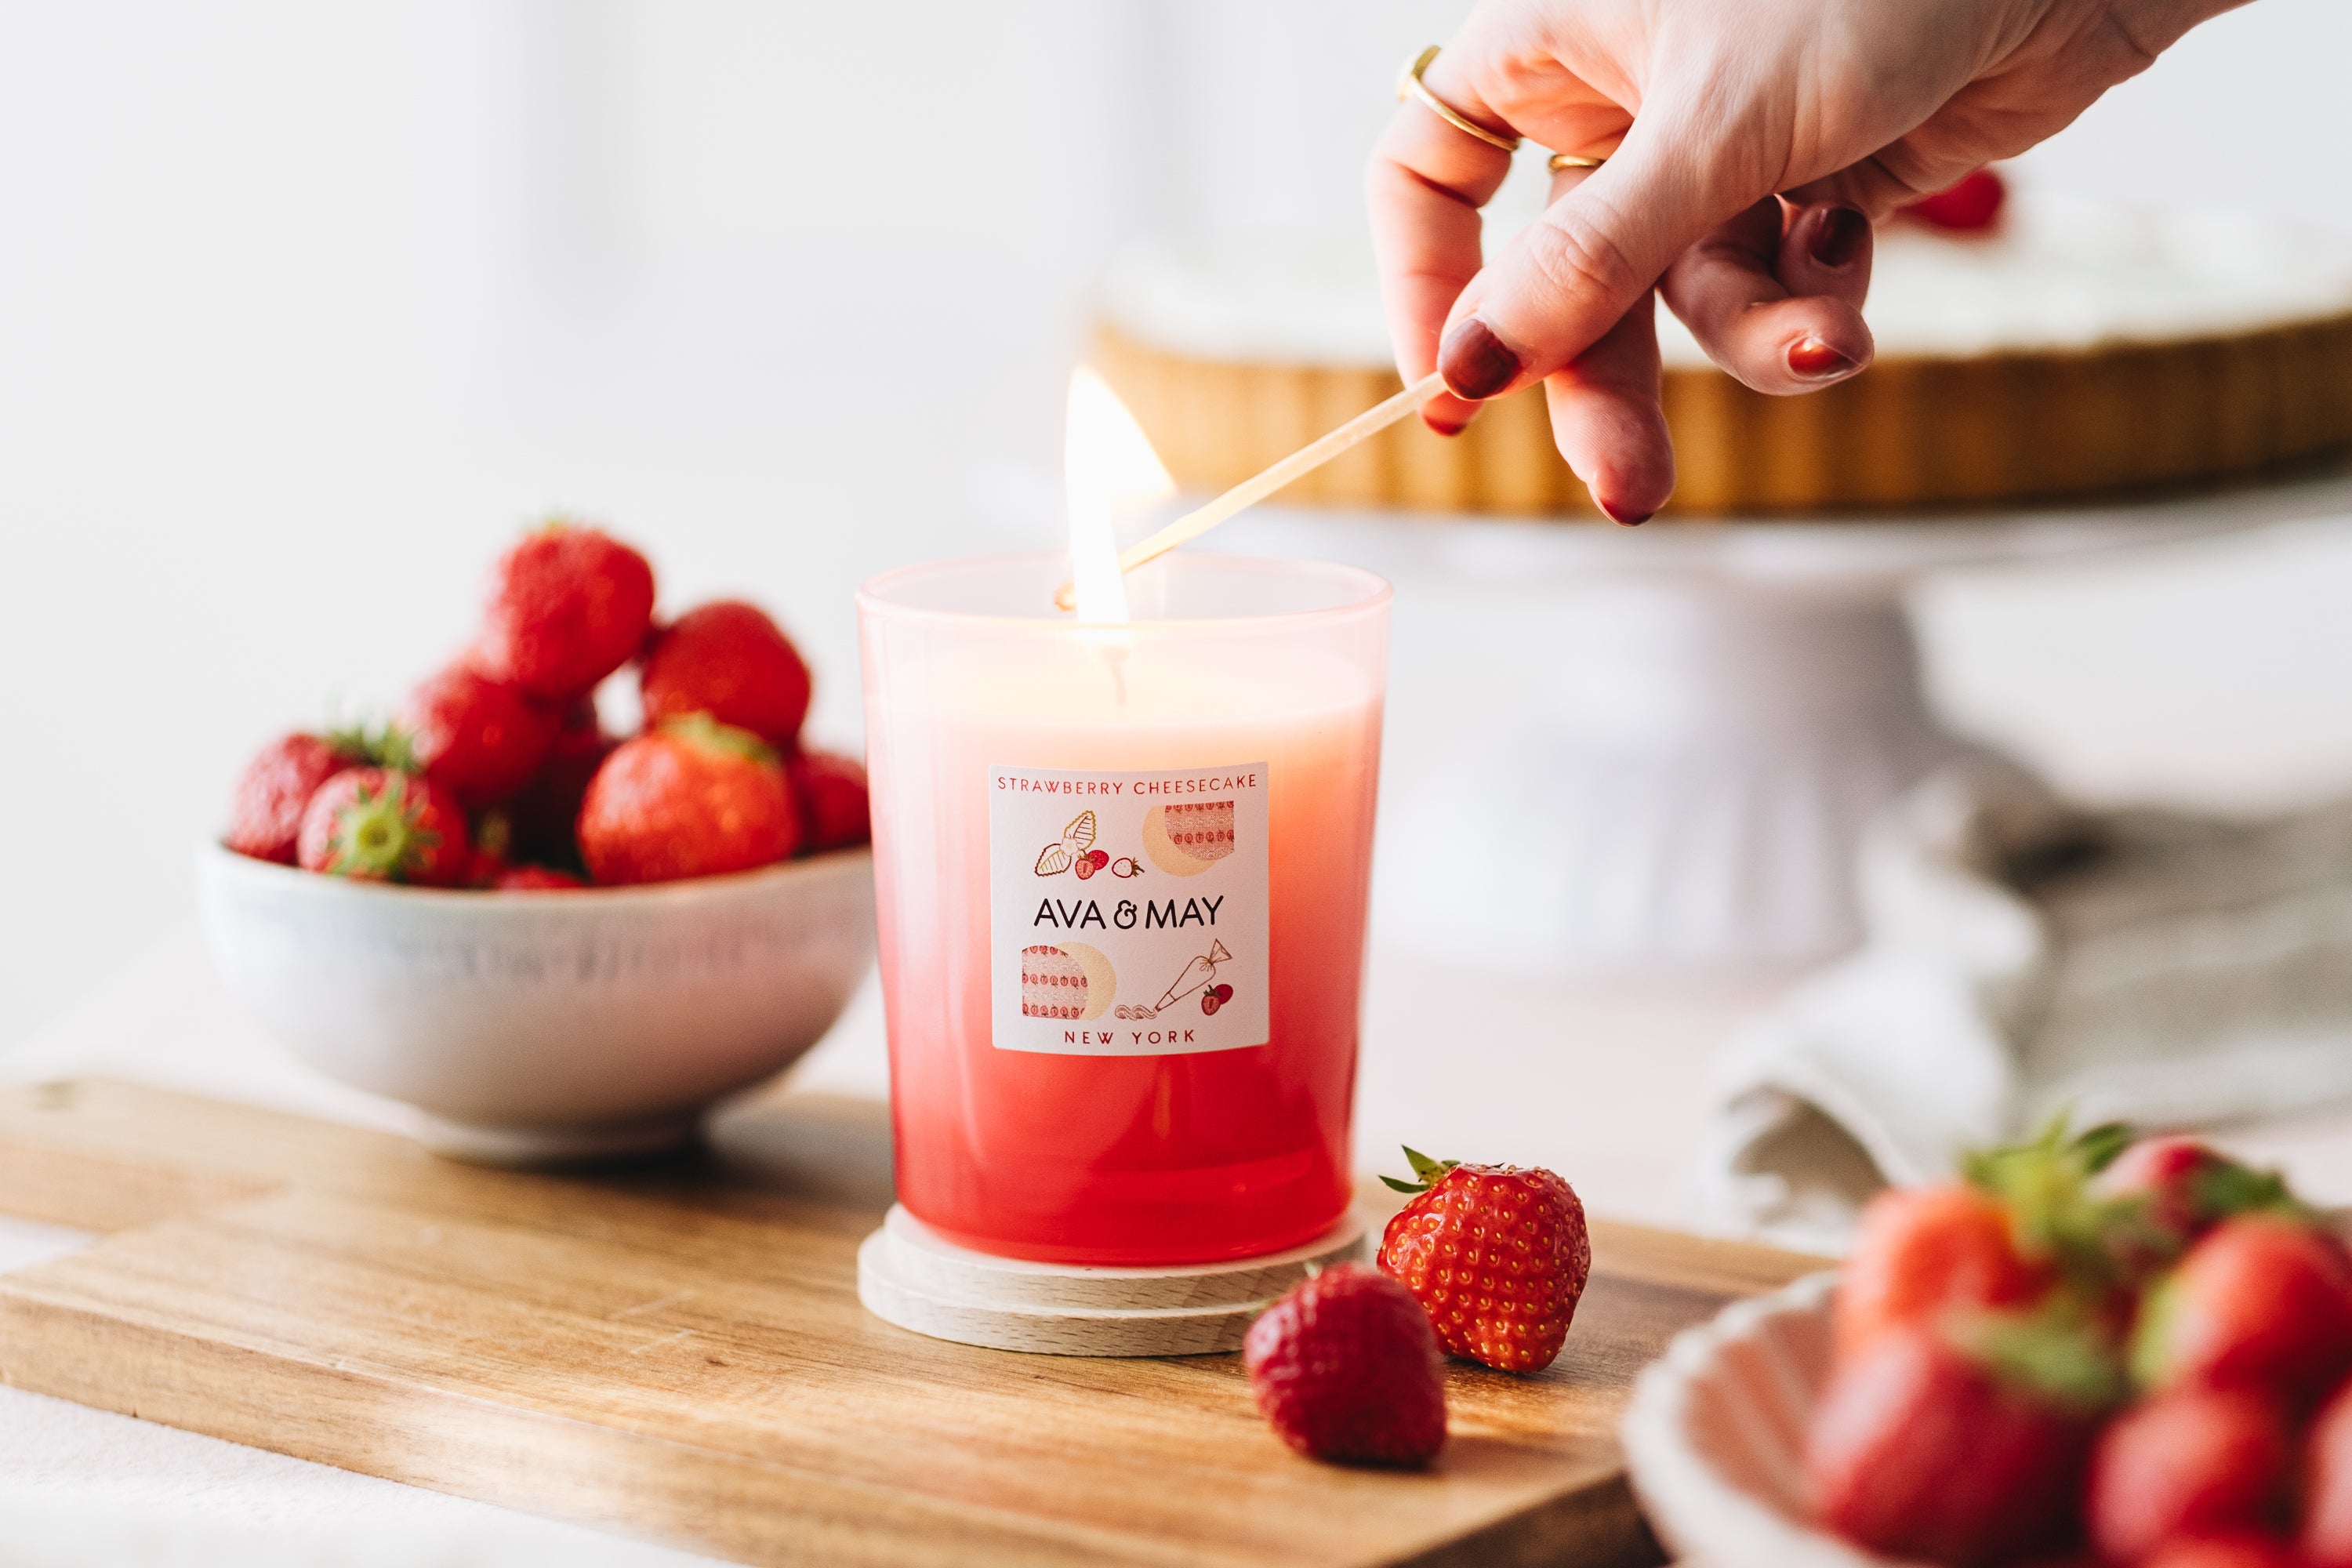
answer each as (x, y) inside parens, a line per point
(1077, 840)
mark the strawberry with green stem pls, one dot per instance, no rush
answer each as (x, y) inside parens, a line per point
(380, 825)
(1498, 1257)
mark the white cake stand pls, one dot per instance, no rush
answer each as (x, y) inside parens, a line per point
(1615, 749)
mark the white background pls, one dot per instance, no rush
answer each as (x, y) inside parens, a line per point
(305, 309)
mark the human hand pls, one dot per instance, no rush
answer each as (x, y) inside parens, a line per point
(1750, 144)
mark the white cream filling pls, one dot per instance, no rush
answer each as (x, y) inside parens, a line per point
(2060, 273)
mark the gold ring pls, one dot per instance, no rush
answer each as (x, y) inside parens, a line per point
(1559, 160)
(1409, 85)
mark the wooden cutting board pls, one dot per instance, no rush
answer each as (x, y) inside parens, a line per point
(676, 1351)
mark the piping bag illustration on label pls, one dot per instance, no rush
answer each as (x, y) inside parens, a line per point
(1127, 910)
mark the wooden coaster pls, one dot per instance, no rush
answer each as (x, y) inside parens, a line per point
(907, 1275)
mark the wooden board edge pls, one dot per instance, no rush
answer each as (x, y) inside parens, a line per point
(1598, 1526)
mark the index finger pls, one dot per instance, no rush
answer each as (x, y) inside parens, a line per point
(1425, 186)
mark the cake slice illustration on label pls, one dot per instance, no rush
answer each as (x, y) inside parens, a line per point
(1186, 840)
(1065, 980)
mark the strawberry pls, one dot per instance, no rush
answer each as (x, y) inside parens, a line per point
(1962, 1443)
(535, 879)
(1344, 1367)
(568, 607)
(2263, 1301)
(831, 790)
(2194, 1462)
(2236, 1549)
(2177, 1189)
(1921, 1252)
(1498, 1256)
(544, 814)
(1973, 205)
(480, 739)
(692, 798)
(729, 660)
(2327, 1538)
(266, 809)
(383, 825)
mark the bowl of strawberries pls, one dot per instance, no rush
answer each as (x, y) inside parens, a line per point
(2093, 1350)
(554, 940)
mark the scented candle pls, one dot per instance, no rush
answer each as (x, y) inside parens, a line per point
(1122, 872)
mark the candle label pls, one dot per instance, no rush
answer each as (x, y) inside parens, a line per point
(1127, 910)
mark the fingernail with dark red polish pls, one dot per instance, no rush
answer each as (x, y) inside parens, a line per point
(1475, 363)
(1816, 361)
(1627, 519)
(1839, 236)
(1443, 426)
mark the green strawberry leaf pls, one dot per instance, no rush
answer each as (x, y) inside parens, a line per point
(702, 730)
(2053, 1353)
(1430, 1172)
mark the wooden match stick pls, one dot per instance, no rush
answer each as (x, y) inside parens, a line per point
(1256, 488)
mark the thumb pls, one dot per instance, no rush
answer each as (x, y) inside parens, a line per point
(1568, 276)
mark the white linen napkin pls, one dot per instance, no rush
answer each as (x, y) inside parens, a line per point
(2023, 959)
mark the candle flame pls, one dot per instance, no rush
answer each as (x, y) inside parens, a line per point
(1107, 468)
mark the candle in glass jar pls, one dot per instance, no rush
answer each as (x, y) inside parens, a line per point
(1122, 875)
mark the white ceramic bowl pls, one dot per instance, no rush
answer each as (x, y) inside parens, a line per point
(1715, 1435)
(549, 1026)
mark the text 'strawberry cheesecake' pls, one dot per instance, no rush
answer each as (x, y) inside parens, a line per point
(2067, 349)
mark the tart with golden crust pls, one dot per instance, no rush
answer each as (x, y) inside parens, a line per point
(2073, 350)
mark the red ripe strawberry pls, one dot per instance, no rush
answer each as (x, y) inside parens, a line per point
(480, 739)
(1922, 1252)
(2194, 1462)
(1498, 1256)
(2264, 1301)
(544, 814)
(692, 798)
(1344, 1367)
(535, 879)
(568, 607)
(266, 810)
(383, 825)
(2327, 1538)
(729, 660)
(1921, 1450)
(831, 789)
(1972, 205)
(2239, 1549)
